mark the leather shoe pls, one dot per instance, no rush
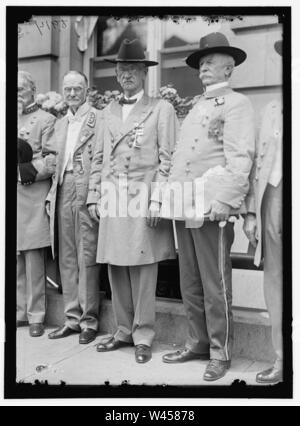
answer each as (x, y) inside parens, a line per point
(61, 332)
(271, 376)
(216, 369)
(142, 353)
(183, 356)
(112, 345)
(36, 329)
(87, 335)
(21, 323)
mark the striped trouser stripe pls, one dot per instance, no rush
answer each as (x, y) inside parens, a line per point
(221, 262)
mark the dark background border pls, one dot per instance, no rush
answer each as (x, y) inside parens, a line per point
(19, 14)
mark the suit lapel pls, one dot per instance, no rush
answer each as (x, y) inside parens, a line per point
(61, 130)
(87, 129)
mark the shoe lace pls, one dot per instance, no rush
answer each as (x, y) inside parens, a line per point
(213, 363)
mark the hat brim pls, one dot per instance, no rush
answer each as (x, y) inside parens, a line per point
(133, 61)
(238, 55)
(278, 47)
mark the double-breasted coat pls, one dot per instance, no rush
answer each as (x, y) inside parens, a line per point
(127, 154)
(82, 158)
(216, 140)
(268, 141)
(32, 220)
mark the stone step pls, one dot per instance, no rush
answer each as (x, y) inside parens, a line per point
(252, 331)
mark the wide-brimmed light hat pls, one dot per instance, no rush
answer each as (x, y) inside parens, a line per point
(132, 52)
(215, 43)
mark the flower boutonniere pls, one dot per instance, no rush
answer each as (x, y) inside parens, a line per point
(219, 101)
(216, 128)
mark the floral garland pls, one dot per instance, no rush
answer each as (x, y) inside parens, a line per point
(53, 102)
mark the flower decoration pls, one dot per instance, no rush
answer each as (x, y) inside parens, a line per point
(216, 128)
(181, 105)
(52, 102)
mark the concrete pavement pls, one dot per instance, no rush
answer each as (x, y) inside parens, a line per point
(65, 360)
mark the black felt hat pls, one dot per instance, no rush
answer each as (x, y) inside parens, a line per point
(215, 43)
(133, 52)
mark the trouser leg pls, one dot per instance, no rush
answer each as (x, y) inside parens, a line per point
(143, 285)
(68, 261)
(122, 302)
(21, 288)
(192, 291)
(36, 285)
(272, 243)
(88, 289)
(212, 246)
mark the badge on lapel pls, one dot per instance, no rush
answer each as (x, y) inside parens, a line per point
(219, 101)
(86, 134)
(91, 121)
(139, 132)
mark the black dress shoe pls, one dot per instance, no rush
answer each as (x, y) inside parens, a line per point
(271, 376)
(112, 345)
(36, 329)
(183, 356)
(87, 335)
(216, 369)
(61, 332)
(22, 323)
(142, 353)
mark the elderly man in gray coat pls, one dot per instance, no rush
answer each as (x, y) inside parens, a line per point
(135, 149)
(36, 164)
(76, 135)
(263, 223)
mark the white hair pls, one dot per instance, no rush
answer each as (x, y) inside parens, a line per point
(25, 75)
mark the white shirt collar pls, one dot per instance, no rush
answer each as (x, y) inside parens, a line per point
(137, 96)
(216, 86)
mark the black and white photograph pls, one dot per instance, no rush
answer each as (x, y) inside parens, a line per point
(148, 245)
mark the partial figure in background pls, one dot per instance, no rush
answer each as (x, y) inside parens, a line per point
(76, 134)
(36, 164)
(134, 151)
(217, 142)
(263, 223)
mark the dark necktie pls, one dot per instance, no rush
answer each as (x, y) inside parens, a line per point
(124, 101)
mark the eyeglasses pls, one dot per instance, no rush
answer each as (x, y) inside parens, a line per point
(76, 89)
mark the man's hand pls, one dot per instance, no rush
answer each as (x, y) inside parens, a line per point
(250, 227)
(219, 211)
(50, 163)
(153, 216)
(48, 208)
(93, 211)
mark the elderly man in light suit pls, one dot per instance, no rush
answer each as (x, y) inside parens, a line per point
(76, 134)
(37, 157)
(135, 149)
(263, 223)
(217, 141)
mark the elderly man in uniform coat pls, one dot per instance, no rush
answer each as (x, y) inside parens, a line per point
(36, 164)
(135, 150)
(263, 223)
(216, 142)
(76, 134)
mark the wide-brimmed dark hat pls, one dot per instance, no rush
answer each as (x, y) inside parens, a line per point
(215, 43)
(132, 52)
(278, 47)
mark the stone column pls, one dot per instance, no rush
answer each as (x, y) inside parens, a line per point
(155, 40)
